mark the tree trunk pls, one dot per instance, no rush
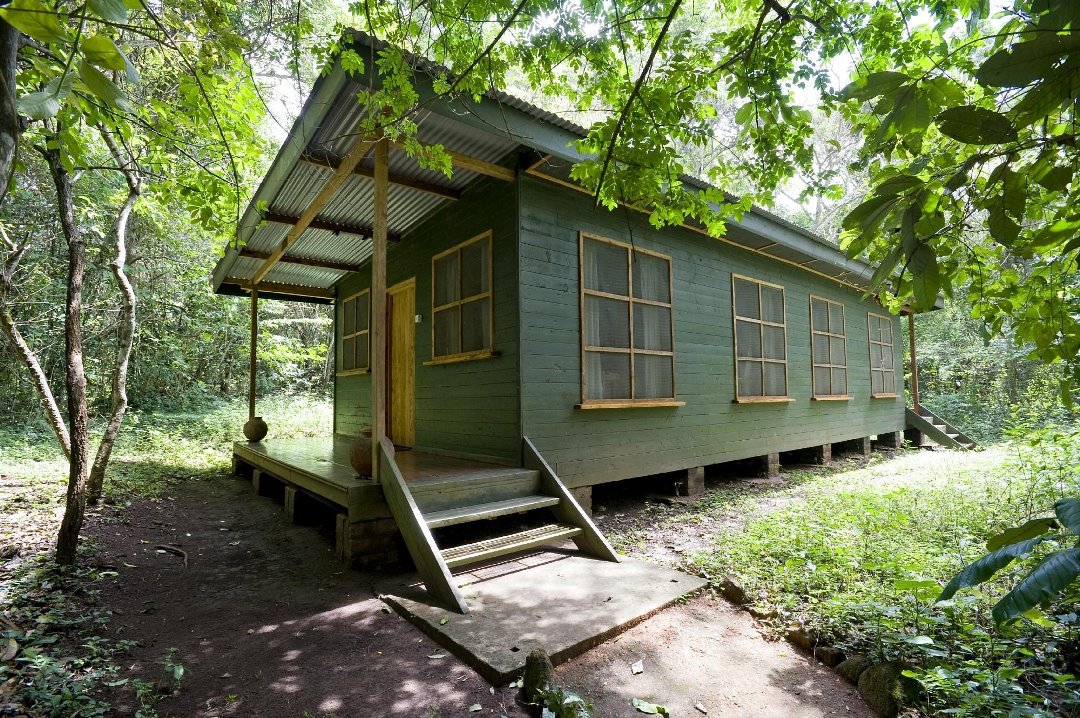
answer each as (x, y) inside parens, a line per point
(127, 327)
(9, 116)
(78, 418)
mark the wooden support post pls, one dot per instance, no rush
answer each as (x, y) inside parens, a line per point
(891, 439)
(252, 350)
(914, 363)
(690, 482)
(378, 304)
(770, 465)
(583, 495)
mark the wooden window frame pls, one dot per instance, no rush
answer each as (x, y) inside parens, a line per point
(631, 301)
(366, 331)
(489, 294)
(815, 364)
(892, 353)
(735, 319)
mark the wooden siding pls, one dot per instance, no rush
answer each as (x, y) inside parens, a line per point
(469, 407)
(589, 447)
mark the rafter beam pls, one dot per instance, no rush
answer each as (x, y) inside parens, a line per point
(348, 164)
(358, 230)
(324, 159)
(295, 290)
(473, 164)
(322, 264)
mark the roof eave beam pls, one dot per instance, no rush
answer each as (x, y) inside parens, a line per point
(473, 164)
(324, 159)
(304, 261)
(327, 225)
(295, 290)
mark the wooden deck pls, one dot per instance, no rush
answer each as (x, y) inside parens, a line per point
(321, 466)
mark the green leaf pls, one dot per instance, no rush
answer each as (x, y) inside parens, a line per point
(1030, 529)
(870, 214)
(1049, 578)
(1001, 226)
(103, 52)
(1068, 513)
(925, 276)
(886, 267)
(898, 185)
(34, 18)
(103, 88)
(984, 569)
(45, 103)
(976, 125)
(873, 85)
(1056, 179)
(111, 10)
(649, 708)
(1026, 62)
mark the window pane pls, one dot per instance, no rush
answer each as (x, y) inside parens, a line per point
(775, 379)
(474, 269)
(652, 327)
(821, 381)
(607, 376)
(749, 378)
(362, 313)
(348, 317)
(819, 312)
(746, 299)
(772, 304)
(653, 377)
(876, 382)
(749, 339)
(446, 279)
(361, 351)
(886, 331)
(607, 323)
(889, 382)
(348, 354)
(875, 356)
(447, 332)
(605, 267)
(838, 352)
(774, 342)
(820, 349)
(836, 318)
(651, 278)
(886, 357)
(839, 381)
(476, 325)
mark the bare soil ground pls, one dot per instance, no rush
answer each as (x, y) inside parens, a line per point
(266, 623)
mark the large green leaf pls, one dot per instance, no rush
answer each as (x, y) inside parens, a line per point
(898, 185)
(1002, 227)
(976, 125)
(103, 88)
(111, 10)
(925, 276)
(103, 52)
(1068, 513)
(886, 266)
(1030, 529)
(870, 214)
(1026, 62)
(1049, 578)
(36, 19)
(985, 568)
(873, 85)
(45, 103)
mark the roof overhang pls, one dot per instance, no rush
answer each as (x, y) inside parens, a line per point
(484, 138)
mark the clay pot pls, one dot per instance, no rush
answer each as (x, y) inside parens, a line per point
(255, 429)
(360, 453)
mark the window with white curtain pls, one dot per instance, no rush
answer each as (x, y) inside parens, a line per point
(882, 366)
(461, 300)
(354, 332)
(760, 340)
(627, 346)
(829, 347)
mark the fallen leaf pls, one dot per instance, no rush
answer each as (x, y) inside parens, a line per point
(130, 565)
(701, 709)
(437, 655)
(385, 609)
(10, 648)
(443, 621)
(518, 683)
(638, 667)
(475, 708)
(649, 708)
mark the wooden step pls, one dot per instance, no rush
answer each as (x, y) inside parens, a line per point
(952, 436)
(489, 510)
(474, 487)
(511, 543)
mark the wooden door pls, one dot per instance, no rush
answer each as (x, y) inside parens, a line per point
(401, 363)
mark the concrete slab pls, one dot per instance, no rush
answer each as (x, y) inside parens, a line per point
(564, 604)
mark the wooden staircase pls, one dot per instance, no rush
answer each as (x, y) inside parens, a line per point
(937, 429)
(423, 505)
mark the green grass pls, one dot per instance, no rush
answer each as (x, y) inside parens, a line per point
(858, 557)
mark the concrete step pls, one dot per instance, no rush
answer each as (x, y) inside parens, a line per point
(489, 510)
(510, 543)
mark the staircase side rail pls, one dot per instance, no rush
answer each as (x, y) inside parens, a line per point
(926, 426)
(962, 437)
(568, 510)
(418, 539)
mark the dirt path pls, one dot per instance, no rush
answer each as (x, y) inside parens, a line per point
(266, 623)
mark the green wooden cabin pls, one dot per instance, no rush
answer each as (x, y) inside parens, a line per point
(516, 309)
